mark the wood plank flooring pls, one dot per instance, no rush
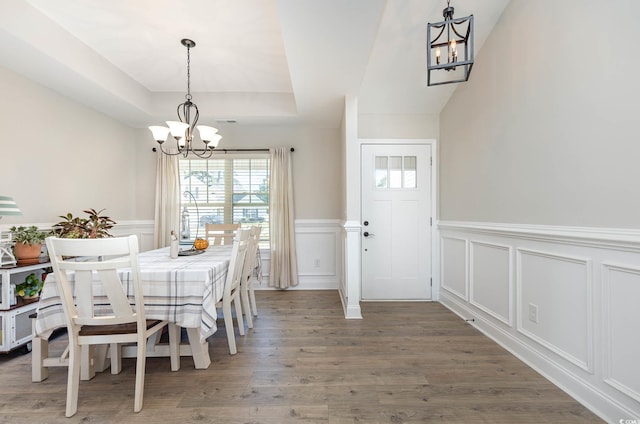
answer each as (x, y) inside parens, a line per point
(304, 363)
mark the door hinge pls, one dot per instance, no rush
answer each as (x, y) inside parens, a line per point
(431, 282)
(431, 222)
(431, 161)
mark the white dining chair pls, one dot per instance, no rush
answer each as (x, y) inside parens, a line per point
(246, 284)
(99, 312)
(232, 289)
(220, 234)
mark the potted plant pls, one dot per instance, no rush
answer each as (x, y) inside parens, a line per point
(30, 288)
(28, 245)
(95, 226)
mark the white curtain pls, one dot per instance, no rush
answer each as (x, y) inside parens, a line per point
(283, 269)
(167, 212)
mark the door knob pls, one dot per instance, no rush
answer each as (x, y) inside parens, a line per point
(368, 234)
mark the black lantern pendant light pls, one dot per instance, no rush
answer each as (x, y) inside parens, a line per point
(449, 49)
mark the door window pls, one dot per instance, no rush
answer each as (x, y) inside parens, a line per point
(396, 172)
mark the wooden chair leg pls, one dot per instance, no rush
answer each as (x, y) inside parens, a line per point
(246, 306)
(228, 325)
(252, 297)
(73, 379)
(238, 305)
(140, 370)
(39, 351)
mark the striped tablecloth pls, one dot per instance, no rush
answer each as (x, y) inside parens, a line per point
(183, 290)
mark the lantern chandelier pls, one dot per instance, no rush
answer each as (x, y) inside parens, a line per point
(183, 130)
(455, 37)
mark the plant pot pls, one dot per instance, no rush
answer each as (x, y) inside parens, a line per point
(27, 253)
(33, 296)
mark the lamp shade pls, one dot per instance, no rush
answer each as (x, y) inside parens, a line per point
(178, 129)
(208, 135)
(8, 207)
(159, 133)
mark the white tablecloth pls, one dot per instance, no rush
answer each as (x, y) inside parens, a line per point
(183, 290)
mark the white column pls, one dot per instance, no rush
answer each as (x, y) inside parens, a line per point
(352, 210)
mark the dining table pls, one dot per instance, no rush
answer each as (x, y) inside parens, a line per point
(183, 291)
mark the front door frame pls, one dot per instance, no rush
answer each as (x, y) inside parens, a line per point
(353, 230)
(432, 211)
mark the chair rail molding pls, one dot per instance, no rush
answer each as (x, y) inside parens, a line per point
(562, 299)
(611, 238)
(141, 228)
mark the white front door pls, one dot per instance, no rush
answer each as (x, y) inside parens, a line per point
(396, 220)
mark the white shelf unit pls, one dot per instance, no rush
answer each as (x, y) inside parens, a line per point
(15, 325)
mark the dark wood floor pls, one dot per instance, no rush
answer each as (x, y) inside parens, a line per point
(303, 362)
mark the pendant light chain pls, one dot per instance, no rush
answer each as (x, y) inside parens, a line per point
(188, 96)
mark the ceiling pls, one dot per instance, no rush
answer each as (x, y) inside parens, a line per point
(255, 61)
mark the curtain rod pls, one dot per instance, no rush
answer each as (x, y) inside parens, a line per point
(232, 150)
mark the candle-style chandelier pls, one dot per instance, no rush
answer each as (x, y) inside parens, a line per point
(455, 37)
(183, 130)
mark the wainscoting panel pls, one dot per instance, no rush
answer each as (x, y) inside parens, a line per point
(554, 299)
(454, 266)
(142, 229)
(316, 253)
(319, 251)
(621, 293)
(562, 299)
(490, 282)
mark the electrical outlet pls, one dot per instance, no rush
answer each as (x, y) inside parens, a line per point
(533, 312)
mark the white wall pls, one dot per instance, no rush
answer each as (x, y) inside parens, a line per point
(317, 176)
(398, 126)
(544, 132)
(58, 156)
(538, 196)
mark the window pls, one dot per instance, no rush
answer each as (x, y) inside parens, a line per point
(233, 189)
(395, 172)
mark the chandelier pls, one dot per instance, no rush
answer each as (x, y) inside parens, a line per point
(183, 130)
(455, 37)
